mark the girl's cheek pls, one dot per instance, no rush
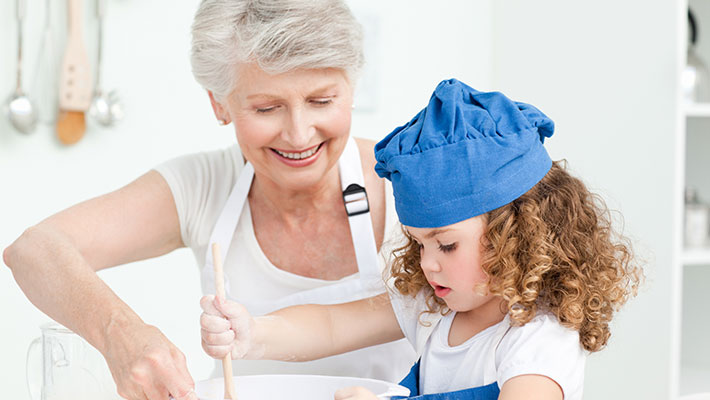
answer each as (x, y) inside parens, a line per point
(481, 289)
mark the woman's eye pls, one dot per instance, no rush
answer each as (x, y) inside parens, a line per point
(321, 102)
(265, 110)
(446, 248)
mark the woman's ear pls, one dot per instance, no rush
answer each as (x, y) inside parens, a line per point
(219, 111)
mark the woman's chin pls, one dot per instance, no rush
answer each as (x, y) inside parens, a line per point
(301, 178)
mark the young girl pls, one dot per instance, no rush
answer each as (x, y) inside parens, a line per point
(508, 277)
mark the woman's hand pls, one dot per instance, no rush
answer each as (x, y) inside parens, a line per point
(226, 328)
(146, 365)
(354, 393)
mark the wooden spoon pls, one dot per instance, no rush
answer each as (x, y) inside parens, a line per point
(75, 82)
(227, 360)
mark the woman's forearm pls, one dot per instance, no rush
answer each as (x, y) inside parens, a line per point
(56, 278)
(55, 265)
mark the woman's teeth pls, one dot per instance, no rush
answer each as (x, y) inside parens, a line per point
(298, 156)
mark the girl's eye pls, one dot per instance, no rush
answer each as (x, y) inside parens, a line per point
(446, 248)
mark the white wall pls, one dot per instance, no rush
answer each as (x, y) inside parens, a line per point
(420, 44)
(167, 114)
(605, 72)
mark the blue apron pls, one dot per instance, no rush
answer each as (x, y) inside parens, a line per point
(411, 382)
(485, 392)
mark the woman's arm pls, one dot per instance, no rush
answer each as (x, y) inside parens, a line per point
(530, 387)
(298, 333)
(55, 264)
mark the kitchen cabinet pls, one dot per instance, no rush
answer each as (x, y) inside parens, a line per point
(691, 265)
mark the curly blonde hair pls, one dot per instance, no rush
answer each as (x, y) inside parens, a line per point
(551, 249)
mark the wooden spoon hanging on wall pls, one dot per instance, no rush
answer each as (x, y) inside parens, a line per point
(75, 80)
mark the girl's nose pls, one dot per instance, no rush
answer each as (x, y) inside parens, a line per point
(428, 262)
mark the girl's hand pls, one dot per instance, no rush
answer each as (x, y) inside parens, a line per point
(354, 393)
(226, 328)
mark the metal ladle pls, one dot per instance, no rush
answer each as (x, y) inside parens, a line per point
(21, 111)
(105, 108)
(44, 78)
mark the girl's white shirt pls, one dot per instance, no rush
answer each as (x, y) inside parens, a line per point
(201, 184)
(542, 347)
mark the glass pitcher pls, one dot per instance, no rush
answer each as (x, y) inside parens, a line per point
(70, 368)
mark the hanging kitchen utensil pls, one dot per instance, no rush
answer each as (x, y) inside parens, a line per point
(696, 76)
(106, 108)
(75, 80)
(21, 110)
(45, 74)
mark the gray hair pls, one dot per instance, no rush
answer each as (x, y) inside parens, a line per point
(278, 35)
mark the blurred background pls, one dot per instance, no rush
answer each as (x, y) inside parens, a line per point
(630, 119)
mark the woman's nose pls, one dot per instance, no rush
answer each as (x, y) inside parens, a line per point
(299, 129)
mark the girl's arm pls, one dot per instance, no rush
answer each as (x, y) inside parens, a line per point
(298, 333)
(530, 387)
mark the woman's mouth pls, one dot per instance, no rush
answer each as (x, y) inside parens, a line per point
(300, 158)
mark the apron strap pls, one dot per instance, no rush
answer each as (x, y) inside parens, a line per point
(225, 227)
(358, 209)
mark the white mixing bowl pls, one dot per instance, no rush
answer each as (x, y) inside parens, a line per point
(293, 387)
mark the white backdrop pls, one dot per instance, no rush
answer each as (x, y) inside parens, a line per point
(584, 65)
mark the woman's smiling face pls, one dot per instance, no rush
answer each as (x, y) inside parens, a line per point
(292, 126)
(451, 261)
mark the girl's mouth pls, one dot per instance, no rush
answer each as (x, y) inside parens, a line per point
(440, 291)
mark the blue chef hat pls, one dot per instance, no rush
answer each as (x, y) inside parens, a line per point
(466, 153)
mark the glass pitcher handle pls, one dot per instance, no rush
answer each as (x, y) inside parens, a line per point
(35, 343)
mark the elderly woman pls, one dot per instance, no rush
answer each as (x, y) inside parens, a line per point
(296, 206)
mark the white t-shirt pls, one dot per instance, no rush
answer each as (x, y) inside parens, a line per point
(200, 184)
(542, 347)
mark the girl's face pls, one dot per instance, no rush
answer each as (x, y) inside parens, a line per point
(292, 126)
(451, 262)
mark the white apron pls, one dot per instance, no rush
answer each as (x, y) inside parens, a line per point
(390, 361)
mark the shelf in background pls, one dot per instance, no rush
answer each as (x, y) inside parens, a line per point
(697, 110)
(699, 256)
(694, 379)
(696, 396)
